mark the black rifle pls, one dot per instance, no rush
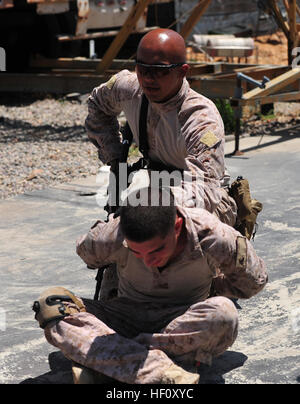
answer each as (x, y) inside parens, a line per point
(110, 208)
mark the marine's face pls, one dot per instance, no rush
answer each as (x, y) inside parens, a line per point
(158, 251)
(159, 84)
(161, 47)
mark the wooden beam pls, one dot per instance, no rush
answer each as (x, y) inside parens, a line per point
(256, 73)
(76, 63)
(274, 85)
(49, 83)
(123, 34)
(293, 22)
(270, 99)
(212, 88)
(199, 70)
(286, 5)
(279, 19)
(195, 16)
(95, 35)
(293, 37)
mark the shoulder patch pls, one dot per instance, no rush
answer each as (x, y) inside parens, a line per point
(111, 82)
(209, 139)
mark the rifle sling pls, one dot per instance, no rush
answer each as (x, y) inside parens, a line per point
(143, 142)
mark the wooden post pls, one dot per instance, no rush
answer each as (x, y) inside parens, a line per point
(238, 112)
(278, 16)
(122, 36)
(290, 30)
(195, 16)
(293, 43)
(290, 34)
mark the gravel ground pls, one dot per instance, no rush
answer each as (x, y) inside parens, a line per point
(43, 143)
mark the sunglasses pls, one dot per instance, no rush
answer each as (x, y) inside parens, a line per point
(156, 71)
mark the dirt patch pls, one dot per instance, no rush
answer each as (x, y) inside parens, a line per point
(272, 49)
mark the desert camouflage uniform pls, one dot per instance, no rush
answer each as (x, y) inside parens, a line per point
(186, 132)
(161, 317)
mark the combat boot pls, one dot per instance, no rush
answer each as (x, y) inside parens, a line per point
(84, 375)
(177, 375)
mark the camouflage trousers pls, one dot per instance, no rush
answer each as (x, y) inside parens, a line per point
(136, 342)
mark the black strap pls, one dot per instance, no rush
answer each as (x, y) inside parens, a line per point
(127, 138)
(143, 141)
(143, 147)
(99, 278)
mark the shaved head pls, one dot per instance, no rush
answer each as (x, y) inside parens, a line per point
(162, 46)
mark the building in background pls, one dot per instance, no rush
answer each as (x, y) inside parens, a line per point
(30, 28)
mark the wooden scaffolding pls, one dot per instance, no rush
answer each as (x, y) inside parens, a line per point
(242, 84)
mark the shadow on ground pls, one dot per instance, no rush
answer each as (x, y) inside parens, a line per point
(225, 363)
(60, 369)
(14, 131)
(286, 134)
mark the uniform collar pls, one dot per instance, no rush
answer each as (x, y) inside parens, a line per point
(194, 245)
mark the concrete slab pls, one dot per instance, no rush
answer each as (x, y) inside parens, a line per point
(270, 323)
(38, 233)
